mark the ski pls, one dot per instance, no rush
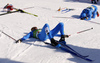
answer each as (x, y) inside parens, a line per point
(18, 10)
(30, 13)
(9, 12)
(72, 52)
(66, 46)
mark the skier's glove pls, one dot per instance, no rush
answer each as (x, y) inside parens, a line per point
(67, 36)
(20, 10)
(19, 41)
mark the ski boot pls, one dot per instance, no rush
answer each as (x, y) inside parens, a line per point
(55, 43)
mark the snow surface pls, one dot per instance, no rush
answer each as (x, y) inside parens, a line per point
(34, 51)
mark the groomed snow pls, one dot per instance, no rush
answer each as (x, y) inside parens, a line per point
(34, 51)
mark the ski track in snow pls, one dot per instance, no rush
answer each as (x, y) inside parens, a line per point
(23, 51)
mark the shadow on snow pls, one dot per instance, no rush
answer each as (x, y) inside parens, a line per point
(5, 60)
(93, 53)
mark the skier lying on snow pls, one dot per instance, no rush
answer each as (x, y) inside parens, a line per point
(9, 7)
(89, 12)
(45, 33)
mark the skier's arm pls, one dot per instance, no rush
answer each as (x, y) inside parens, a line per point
(5, 7)
(89, 16)
(27, 36)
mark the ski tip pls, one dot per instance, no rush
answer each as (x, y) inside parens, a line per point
(36, 15)
(92, 61)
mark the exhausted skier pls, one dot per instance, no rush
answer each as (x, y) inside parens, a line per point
(45, 33)
(9, 7)
(89, 12)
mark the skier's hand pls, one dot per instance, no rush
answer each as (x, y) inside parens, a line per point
(84, 18)
(18, 41)
(21, 10)
(67, 36)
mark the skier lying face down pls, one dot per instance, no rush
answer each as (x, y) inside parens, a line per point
(45, 33)
(89, 12)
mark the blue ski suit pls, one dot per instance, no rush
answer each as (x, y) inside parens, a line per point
(46, 33)
(89, 12)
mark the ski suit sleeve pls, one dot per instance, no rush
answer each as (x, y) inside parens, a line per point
(89, 15)
(5, 7)
(58, 35)
(27, 36)
(83, 14)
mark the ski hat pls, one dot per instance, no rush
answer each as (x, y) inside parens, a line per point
(33, 28)
(7, 3)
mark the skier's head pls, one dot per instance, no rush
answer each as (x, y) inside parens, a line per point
(7, 3)
(33, 28)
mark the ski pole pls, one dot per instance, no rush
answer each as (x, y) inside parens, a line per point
(28, 8)
(76, 18)
(8, 35)
(82, 31)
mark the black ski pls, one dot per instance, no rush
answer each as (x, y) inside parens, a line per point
(72, 52)
(8, 13)
(75, 54)
(66, 46)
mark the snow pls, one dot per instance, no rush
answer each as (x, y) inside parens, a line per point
(34, 51)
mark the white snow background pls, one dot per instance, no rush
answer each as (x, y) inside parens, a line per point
(34, 51)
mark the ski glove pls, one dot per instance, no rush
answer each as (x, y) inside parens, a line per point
(66, 36)
(84, 18)
(19, 41)
(20, 10)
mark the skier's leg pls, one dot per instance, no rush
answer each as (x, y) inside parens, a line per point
(43, 35)
(94, 12)
(59, 27)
